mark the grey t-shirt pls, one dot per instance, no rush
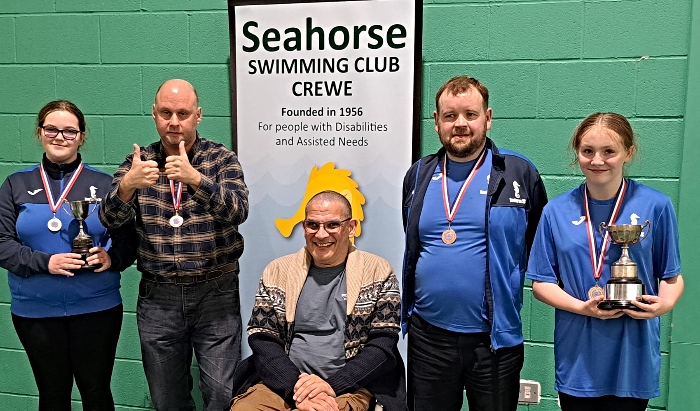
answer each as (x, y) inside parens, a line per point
(318, 345)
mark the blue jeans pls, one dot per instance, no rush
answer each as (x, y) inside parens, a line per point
(175, 319)
(442, 365)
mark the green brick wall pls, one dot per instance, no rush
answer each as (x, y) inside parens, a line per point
(547, 63)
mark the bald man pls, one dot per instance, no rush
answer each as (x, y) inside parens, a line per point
(188, 197)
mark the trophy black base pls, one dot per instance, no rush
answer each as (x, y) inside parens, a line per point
(88, 267)
(619, 292)
(610, 305)
(83, 256)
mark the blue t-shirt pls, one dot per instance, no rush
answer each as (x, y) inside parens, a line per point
(450, 278)
(619, 356)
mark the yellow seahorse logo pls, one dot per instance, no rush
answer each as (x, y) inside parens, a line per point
(326, 178)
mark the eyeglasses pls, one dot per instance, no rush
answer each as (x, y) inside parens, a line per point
(330, 226)
(68, 134)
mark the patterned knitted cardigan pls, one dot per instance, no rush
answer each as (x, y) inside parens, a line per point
(371, 327)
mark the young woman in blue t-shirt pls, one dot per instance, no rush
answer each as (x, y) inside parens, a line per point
(605, 359)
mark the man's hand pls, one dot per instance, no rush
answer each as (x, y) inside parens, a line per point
(142, 174)
(321, 402)
(99, 256)
(178, 168)
(311, 385)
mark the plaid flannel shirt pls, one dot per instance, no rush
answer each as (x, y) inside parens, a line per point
(208, 237)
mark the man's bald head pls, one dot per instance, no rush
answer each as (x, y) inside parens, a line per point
(331, 196)
(177, 85)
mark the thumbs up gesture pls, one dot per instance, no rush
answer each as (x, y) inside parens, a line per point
(142, 174)
(178, 168)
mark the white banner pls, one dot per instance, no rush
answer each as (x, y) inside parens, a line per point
(324, 95)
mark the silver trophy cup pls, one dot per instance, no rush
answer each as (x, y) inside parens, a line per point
(624, 284)
(82, 243)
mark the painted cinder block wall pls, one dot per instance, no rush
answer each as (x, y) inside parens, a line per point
(547, 64)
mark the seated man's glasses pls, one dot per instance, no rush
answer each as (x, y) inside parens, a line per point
(330, 226)
(68, 133)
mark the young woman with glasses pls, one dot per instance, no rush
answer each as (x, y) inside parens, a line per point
(67, 317)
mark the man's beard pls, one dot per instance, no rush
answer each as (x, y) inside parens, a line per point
(463, 150)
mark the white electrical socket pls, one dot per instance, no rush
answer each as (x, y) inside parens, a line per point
(529, 392)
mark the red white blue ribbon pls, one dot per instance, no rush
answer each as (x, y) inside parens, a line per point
(451, 213)
(47, 188)
(597, 263)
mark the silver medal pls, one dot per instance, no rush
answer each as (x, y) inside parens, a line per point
(176, 221)
(54, 224)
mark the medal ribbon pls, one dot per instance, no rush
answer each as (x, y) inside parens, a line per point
(176, 198)
(598, 265)
(446, 199)
(47, 188)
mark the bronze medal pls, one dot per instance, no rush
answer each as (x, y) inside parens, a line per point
(595, 291)
(449, 236)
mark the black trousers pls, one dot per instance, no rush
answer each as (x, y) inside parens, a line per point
(63, 348)
(442, 365)
(604, 403)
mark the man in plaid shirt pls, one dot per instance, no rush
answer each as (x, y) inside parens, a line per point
(188, 197)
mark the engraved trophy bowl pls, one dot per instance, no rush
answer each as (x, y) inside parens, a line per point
(624, 284)
(82, 243)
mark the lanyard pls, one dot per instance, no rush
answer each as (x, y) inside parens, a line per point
(47, 187)
(451, 213)
(177, 197)
(176, 220)
(597, 263)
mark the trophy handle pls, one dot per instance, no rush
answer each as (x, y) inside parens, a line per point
(63, 205)
(647, 225)
(603, 229)
(96, 201)
(91, 200)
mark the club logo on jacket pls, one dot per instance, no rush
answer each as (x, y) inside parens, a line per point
(34, 192)
(484, 192)
(516, 190)
(580, 220)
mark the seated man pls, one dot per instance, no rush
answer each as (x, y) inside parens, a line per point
(325, 324)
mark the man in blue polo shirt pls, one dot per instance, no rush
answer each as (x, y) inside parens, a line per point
(470, 214)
